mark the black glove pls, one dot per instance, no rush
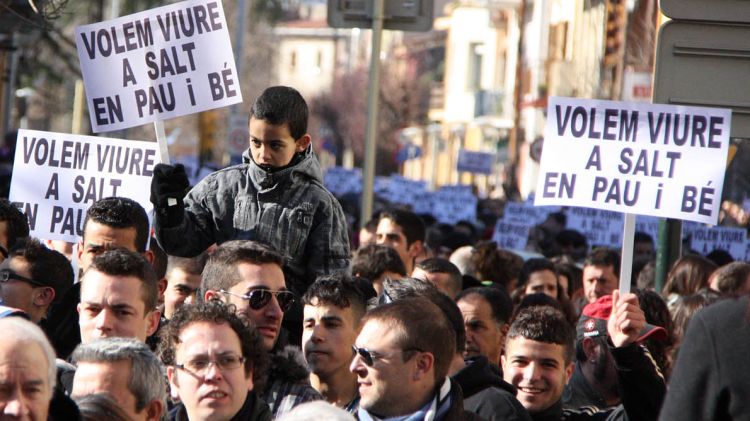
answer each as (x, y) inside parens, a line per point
(169, 182)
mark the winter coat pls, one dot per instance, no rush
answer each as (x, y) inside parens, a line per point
(289, 209)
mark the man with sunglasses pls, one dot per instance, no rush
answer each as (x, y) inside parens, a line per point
(249, 275)
(33, 277)
(214, 361)
(401, 359)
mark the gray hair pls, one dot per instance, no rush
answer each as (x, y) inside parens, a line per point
(146, 381)
(24, 331)
(316, 410)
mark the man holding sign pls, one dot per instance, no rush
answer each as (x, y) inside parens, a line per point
(276, 196)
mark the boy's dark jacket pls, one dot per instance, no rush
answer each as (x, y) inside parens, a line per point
(289, 209)
(486, 393)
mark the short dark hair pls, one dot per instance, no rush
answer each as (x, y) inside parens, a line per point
(48, 266)
(123, 262)
(604, 256)
(18, 223)
(340, 290)
(421, 325)
(372, 260)
(160, 258)
(217, 312)
(414, 287)
(544, 324)
(191, 265)
(282, 105)
(410, 223)
(532, 266)
(221, 268)
(497, 298)
(120, 212)
(440, 265)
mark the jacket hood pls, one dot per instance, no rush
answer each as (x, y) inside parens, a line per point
(288, 365)
(307, 167)
(478, 375)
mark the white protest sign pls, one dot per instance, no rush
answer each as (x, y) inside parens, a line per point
(527, 213)
(56, 177)
(454, 204)
(601, 228)
(637, 158)
(510, 234)
(475, 161)
(704, 240)
(157, 64)
(403, 190)
(340, 180)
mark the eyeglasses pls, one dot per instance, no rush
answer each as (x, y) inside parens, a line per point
(199, 366)
(369, 357)
(260, 298)
(9, 274)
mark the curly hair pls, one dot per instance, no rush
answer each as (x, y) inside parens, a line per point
(214, 311)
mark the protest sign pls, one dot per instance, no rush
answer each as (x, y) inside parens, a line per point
(527, 213)
(704, 240)
(157, 64)
(634, 158)
(56, 177)
(340, 180)
(511, 234)
(601, 228)
(403, 190)
(454, 203)
(475, 162)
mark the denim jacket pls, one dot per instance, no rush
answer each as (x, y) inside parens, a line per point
(289, 209)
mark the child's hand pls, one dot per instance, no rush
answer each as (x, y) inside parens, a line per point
(169, 185)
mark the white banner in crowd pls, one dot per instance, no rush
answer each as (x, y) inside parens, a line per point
(56, 177)
(704, 240)
(157, 64)
(637, 158)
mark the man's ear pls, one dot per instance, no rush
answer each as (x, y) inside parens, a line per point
(416, 248)
(213, 295)
(79, 253)
(154, 410)
(569, 372)
(161, 285)
(590, 348)
(153, 322)
(172, 378)
(302, 143)
(43, 296)
(425, 365)
(149, 255)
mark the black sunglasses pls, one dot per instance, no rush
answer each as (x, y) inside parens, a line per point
(369, 357)
(259, 298)
(9, 274)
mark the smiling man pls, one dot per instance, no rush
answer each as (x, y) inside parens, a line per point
(248, 275)
(334, 307)
(538, 361)
(214, 360)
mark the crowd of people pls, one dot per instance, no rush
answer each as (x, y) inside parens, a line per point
(256, 301)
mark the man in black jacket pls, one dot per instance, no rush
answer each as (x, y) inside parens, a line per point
(538, 361)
